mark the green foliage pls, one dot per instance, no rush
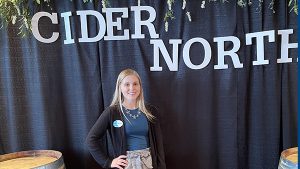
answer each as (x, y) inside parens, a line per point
(17, 12)
(105, 3)
(294, 5)
(169, 15)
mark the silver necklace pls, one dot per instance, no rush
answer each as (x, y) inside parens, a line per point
(131, 115)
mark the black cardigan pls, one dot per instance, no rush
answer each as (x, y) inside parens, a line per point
(104, 149)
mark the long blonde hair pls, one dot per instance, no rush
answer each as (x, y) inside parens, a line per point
(118, 97)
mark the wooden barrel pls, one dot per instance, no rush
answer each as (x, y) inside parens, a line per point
(289, 159)
(37, 159)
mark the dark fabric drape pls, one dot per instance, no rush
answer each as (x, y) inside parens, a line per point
(235, 118)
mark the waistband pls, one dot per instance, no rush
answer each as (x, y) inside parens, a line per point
(142, 153)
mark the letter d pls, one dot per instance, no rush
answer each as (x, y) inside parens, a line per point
(84, 31)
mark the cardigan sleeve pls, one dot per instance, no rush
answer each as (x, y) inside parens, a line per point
(161, 164)
(161, 153)
(96, 140)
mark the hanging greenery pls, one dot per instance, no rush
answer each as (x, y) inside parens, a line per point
(18, 13)
(10, 12)
(294, 5)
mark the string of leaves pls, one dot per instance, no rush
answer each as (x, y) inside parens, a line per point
(17, 12)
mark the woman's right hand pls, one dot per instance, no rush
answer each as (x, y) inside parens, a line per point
(119, 162)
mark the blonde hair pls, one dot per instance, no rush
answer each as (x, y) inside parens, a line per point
(118, 97)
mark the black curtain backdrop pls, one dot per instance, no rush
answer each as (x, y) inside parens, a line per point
(51, 94)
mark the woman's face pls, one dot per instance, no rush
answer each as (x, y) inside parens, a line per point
(130, 88)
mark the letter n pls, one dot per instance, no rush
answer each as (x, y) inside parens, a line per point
(159, 46)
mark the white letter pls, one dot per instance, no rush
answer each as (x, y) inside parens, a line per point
(260, 44)
(84, 31)
(285, 45)
(138, 22)
(159, 44)
(111, 24)
(221, 52)
(186, 53)
(35, 26)
(66, 16)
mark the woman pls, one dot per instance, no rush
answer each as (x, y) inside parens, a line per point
(129, 127)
